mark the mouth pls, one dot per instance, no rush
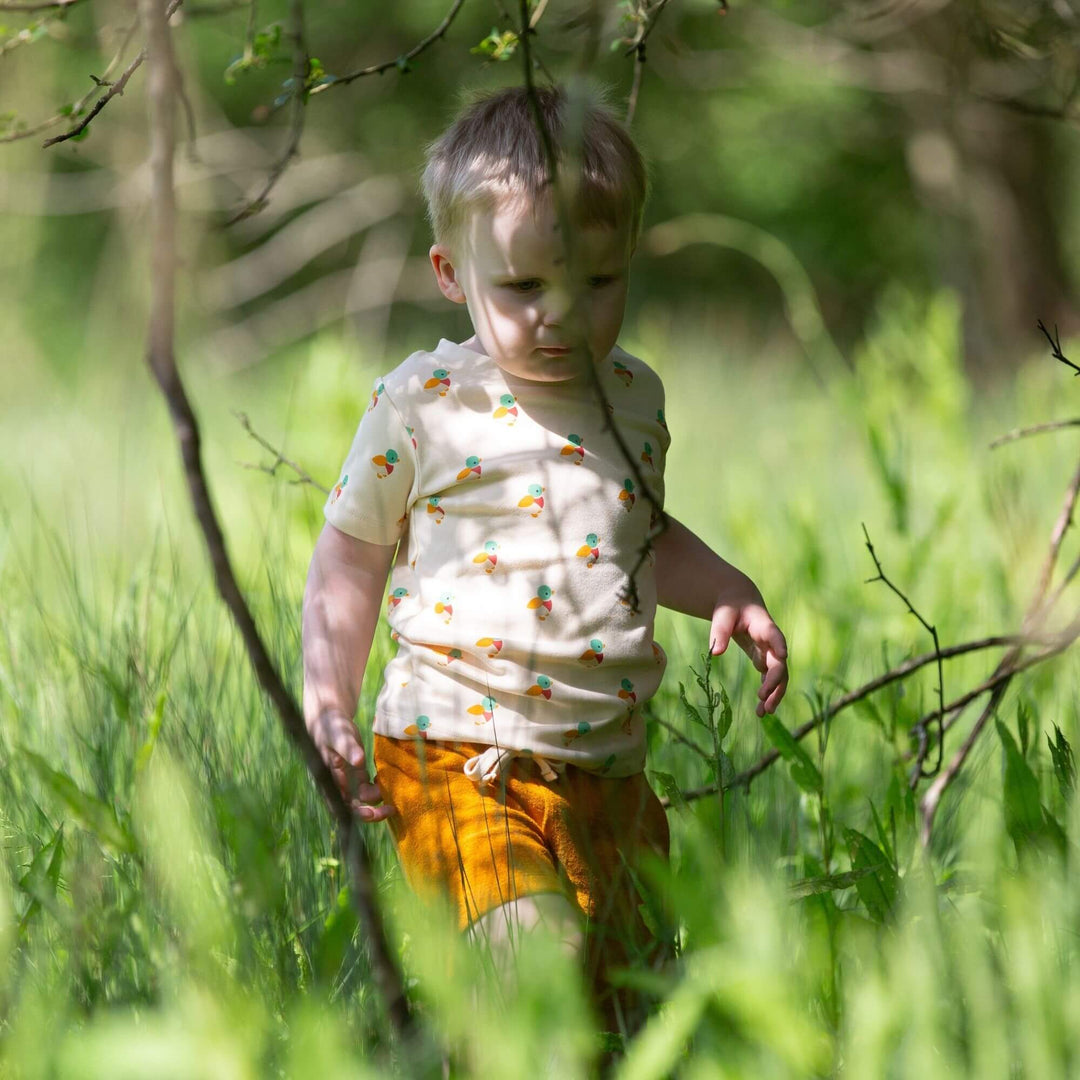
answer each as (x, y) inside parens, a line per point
(554, 350)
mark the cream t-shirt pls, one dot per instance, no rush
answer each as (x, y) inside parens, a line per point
(520, 524)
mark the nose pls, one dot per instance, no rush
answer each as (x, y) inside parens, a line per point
(557, 304)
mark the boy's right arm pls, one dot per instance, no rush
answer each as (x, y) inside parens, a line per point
(342, 600)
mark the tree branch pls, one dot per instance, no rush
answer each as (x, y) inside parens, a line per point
(115, 89)
(298, 100)
(399, 62)
(162, 96)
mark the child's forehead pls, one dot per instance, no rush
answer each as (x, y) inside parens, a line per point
(520, 230)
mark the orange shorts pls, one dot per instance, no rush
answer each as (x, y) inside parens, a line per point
(580, 835)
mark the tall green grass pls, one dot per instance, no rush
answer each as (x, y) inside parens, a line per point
(171, 896)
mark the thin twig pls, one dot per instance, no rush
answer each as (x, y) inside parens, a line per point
(162, 362)
(1055, 347)
(298, 99)
(115, 89)
(635, 86)
(919, 729)
(37, 5)
(399, 62)
(901, 671)
(1035, 429)
(743, 779)
(647, 25)
(302, 476)
(79, 105)
(678, 736)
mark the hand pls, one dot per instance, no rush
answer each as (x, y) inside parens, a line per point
(339, 745)
(742, 615)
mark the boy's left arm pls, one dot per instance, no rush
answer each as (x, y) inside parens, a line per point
(693, 579)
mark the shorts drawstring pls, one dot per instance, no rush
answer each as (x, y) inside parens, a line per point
(486, 768)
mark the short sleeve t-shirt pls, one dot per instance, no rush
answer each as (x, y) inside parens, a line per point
(521, 523)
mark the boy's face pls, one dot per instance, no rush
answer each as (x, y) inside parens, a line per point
(508, 267)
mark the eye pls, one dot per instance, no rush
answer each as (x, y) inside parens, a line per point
(600, 280)
(526, 286)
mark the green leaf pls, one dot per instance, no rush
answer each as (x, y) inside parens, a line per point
(671, 790)
(142, 758)
(813, 886)
(91, 813)
(1023, 810)
(42, 877)
(883, 836)
(878, 890)
(724, 726)
(338, 931)
(1064, 764)
(727, 770)
(690, 711)
(1023, 725)
(803, 771)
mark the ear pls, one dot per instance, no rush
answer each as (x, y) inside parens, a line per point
(445, 274)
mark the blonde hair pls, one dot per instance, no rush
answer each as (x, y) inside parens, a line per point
(493, 152)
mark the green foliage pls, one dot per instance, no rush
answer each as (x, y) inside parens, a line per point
(499, 45)
(803, 770)
(172, 900)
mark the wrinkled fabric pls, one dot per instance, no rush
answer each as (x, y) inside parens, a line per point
(520, 523)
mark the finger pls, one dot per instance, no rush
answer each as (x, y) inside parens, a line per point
(776, 641)
(344, 742)
(752, 650)
(373, 813)
(775, 674)
(723, 623)
(777, 694)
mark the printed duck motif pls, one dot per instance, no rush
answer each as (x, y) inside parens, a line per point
(485, 708)
(583, 728)
(395, 598)
(590, 550)
(574, 449)
(439, 381)
(540, 688)
(533, 498)
(541, 602)
(419, 727)
(622, 372)
(493, 645)
(445, 606)
(593, 656)
(626, 495)
(487, 558)
(384, 463)
(472, 465)
(506, 410)
(339, 487)
(434, 509)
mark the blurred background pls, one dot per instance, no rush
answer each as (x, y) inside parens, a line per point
(862, 168)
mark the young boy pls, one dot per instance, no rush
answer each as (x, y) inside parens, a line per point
(509, 742)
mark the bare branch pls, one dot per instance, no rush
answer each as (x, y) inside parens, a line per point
(115, 89)
(298, 99)
(1055, 347)
(1036, 429)
(919, 730)
(901, 671)
(302, 476)
(399, 62)
(162, 96)
(37, 5)
(79, 105)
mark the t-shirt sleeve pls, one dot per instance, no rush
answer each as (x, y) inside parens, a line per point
(372, 497)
